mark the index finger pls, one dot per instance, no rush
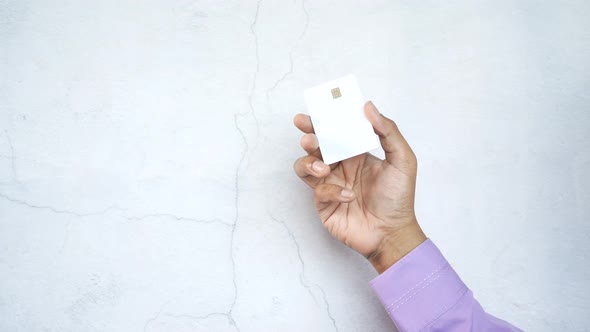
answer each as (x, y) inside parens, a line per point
(303, 123)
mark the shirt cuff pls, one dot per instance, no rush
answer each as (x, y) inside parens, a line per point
(419, 288)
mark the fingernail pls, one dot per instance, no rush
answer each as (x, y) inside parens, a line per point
(318, 166)
(347, 193)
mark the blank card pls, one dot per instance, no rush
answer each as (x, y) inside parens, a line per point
(337, 113)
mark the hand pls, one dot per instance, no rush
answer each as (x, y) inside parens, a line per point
(365, 202)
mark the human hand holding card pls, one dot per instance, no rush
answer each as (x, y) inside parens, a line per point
(336, 111)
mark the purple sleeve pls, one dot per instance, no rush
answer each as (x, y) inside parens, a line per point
(422, 292)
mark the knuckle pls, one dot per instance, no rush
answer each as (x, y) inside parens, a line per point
(318, 191)
(303, 138)
(392, 123)
(390, 127)
(322, 190)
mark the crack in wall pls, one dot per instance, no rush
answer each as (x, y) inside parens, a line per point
(154, 318)
(178, 218)
(12, 157)
(236, 218)
(113, 208)
(233, 226)
(291, 51)
(104, 211)
(59, 211)
(328, 312)
(255, 78)
(186, 316)
(302, 278)
(246, 148)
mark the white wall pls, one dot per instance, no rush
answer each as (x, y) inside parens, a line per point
(146, 154)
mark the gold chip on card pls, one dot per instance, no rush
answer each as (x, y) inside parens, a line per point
(336, 93)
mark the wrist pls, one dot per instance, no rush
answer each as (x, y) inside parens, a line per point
(396, 244)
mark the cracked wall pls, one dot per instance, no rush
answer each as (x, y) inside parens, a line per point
(146, 156)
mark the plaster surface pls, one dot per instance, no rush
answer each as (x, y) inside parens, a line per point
(146, 152)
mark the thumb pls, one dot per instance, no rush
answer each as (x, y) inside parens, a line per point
(397, 150)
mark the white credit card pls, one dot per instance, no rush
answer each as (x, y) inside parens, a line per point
(337, 113)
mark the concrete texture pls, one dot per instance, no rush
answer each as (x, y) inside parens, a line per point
(146, 152)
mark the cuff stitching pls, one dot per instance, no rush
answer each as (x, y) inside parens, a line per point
(416, 285)
(438, 275)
